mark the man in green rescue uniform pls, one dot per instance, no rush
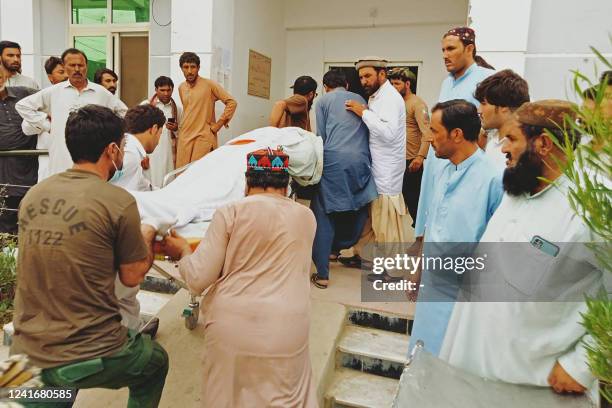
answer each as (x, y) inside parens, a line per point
(76, 233)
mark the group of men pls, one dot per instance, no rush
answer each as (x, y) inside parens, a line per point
(475, 187)
(493, 173)
(36, 120)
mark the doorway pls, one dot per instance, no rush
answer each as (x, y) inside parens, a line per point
(126, 53)
(133, 68)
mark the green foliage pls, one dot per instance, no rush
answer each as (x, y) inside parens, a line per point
(589, 170)
(598, 323)
(8, 266)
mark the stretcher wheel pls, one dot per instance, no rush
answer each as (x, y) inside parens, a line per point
(191, 315)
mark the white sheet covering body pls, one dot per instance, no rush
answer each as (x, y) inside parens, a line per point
(218, 178)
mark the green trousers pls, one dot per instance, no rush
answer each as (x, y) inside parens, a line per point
(141, 366)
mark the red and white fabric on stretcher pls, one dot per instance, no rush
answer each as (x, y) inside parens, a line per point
(189, 202)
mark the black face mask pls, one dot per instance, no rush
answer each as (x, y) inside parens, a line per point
(523, 178)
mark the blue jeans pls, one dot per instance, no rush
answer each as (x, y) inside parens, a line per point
(335, 231)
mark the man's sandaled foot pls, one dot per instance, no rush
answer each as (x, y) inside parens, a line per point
(352, 262)
(318, 282)
(385, 277)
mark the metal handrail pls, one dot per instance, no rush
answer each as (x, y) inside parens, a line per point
(34, 152)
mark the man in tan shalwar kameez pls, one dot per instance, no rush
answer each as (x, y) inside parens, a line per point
(198, 129)
(295, 110)
(255, 258)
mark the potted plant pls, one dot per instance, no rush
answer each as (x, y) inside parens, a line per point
(589, 170)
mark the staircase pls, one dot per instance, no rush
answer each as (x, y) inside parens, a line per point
(370, 357)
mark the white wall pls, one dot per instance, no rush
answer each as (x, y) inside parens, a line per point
(191, 31)
(18, 24)
(53, 23)
(504, 48)
(159, 42)
(560, 34)
(321, 31)
(259, 25)
(301, 14)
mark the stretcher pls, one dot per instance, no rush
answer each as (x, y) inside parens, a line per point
(191, 313)
(428, 382)
(189, 201)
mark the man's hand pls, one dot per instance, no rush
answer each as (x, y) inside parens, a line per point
(148, 233)
(144, 163)
(562, 382)
(175, 246)
(355, 107)
(215, 127)
(172, 126)
(415, 164)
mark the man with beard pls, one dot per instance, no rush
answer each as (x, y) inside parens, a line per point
(531, 333)
(467, 192)
(385, 117)
(340, 203)
(107, 78)
(418, 137)
(295, 110)
(10, 56)
(47, 110)
(199, 127)
(464, 74)
(500, 95)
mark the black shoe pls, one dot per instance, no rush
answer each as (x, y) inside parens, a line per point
(352, 262)
(385, 277)
(151, 327)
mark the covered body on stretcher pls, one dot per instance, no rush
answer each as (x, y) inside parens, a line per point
(189, 202)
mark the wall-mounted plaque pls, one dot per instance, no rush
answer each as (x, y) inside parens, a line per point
(260, 73)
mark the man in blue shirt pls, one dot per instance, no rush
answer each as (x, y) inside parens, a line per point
(465, 196)
(340, 204)
(460, 59)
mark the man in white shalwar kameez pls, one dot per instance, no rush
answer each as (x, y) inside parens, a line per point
(48, 110)
(535, 337)
(161, 161)
(385, 117)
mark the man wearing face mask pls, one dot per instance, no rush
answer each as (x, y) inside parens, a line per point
(77, 233)
(539, 340)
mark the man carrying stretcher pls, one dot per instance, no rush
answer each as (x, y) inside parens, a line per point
(77, 232)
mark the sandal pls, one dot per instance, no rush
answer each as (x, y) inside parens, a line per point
(314, 278)
(352, 262)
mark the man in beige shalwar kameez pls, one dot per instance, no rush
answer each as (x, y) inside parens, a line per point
(295, 110)
(199, 128)
(255, 258)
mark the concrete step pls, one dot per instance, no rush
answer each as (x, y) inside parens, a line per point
(350, 388)
(373, 351)
(380, 320)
